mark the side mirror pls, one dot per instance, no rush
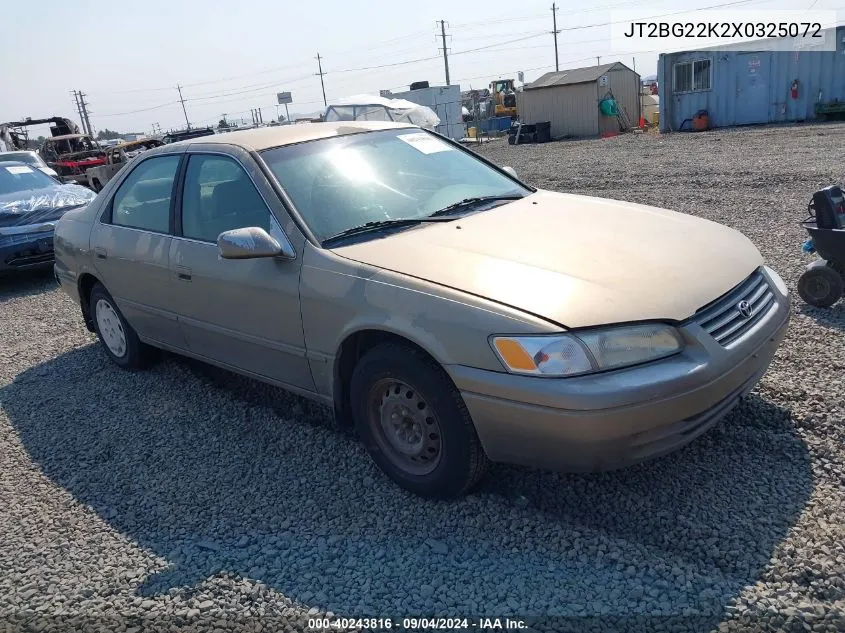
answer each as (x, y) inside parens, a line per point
(251, 242)
(511, 171)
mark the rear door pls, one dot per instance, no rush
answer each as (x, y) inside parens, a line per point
(244, 314)
(131, 247)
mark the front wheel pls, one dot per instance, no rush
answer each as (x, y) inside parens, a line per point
(414, 423)
(821, 286)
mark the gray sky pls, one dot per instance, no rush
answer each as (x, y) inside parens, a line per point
(233, 56)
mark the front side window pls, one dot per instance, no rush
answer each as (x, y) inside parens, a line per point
(346, 181)
(219, 196)
(143, 200)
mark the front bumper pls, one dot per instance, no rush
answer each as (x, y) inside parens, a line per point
(618, 418)
(19, 252)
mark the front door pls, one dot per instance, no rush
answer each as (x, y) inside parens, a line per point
(752, 91)
(242, 313)
(131, 248)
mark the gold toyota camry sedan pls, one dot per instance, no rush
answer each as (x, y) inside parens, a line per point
(453, 314)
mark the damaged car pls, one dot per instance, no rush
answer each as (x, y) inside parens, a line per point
(30, 204)
(72, 155)
(116, 158)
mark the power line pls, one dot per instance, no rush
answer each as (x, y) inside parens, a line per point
(158, 107)
(255, 88)
(663, 15)
(405, 63)
(500, 44)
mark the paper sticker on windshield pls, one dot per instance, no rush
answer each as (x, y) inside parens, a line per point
(425, 143)
(19, 169)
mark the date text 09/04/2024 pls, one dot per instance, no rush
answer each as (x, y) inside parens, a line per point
(412, 624)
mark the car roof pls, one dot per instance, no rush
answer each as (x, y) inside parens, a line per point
(279, 135)
(19, 151)
(64, 137)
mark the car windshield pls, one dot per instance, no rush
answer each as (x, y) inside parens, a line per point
(347, 181)
(16, 177)
(23, 157)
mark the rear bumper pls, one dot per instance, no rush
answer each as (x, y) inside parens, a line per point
(26, 252)
(619, 418)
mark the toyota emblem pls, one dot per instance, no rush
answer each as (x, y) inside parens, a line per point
(745, 309)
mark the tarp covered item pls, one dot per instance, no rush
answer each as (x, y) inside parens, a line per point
(608, 107)
(378, 108)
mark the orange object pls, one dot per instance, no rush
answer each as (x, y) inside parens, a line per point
(642, 122)
(701, 122)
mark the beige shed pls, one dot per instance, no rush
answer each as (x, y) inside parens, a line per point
(569, 99)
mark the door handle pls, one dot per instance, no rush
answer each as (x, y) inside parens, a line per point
(100, 252)
(183, 273)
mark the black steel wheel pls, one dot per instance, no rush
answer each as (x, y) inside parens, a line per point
(414, 423)
(821, 286)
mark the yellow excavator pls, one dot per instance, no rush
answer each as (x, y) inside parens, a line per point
(504, 97)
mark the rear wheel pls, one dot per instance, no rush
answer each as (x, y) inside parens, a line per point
(821, 286)
(414, 423)
(119, 340)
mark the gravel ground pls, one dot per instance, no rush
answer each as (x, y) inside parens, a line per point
(188, 498)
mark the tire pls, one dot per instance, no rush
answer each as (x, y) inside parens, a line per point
(394, 380)
(821, 286)
(112, 329)
(96, 186)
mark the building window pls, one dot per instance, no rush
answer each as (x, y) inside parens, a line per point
(695, 76)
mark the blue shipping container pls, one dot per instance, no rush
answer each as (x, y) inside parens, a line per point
(741, 88)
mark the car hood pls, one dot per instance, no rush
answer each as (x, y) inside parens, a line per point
(575, 260)
(41, 205)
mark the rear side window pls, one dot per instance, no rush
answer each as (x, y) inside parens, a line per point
(219, 196)
(143, 200)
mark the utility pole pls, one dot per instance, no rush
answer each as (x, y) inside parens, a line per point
(78, 107)
(188, 123)
(86, 122)
(445, 50)
(555, 32)
(321, 73)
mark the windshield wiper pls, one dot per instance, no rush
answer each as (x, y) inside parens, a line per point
(382, 224)
(469, 202)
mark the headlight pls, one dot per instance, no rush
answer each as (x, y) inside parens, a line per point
(779, 283)
(587, 351)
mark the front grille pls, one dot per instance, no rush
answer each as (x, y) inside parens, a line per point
(722, 319)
